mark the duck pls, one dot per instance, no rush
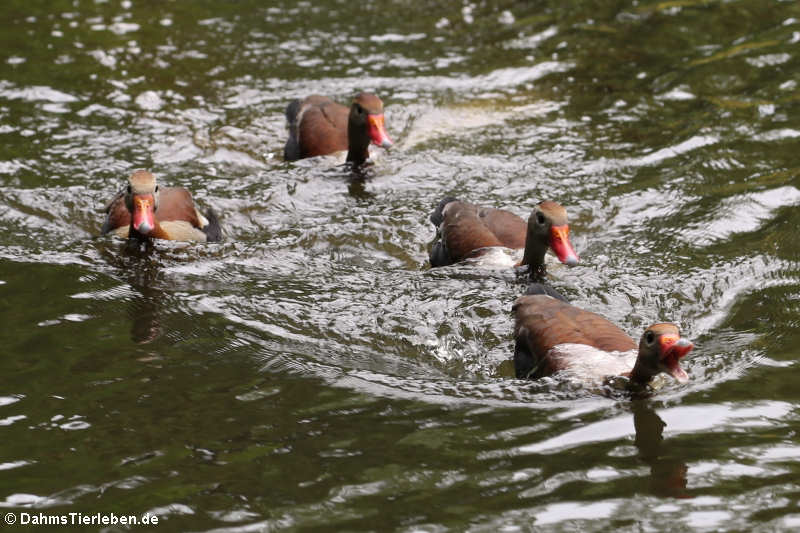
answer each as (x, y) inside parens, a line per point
(143, 211)
(320, 126)
(467, 231)
(552, 335)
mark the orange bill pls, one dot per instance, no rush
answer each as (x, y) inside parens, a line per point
(144, 219)
(559, 242)
(673, 348)
(377, 131)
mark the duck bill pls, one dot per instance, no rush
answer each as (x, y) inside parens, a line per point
(144, 219)
(377, 131)
(559, 242)
(673, 349)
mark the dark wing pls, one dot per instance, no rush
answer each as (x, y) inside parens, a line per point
(323, 127)
(175, 203)
(507, 227)
(117, 214)
(463, 231)
(542, 322)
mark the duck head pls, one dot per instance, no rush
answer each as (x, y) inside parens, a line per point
(660, 350)
(365, 124)
(548, 228)
(141, 199)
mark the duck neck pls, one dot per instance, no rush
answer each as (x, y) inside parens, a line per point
(534, 258)
(640, 374)
(357, 142)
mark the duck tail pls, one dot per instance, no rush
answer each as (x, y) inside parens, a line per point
(437, 217)
(212, 230)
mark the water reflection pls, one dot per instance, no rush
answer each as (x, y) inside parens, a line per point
(356, 185)
(139, 265)
(667, 473)
(144, 313)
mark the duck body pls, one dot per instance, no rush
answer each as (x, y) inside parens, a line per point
(145, 211)
(467, 231)
(552, 335)
(320, 126)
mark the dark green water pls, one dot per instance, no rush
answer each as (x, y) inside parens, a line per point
(311, 372)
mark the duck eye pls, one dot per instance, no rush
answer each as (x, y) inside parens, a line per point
(129, 189)
(156, 188)
(649, 337)
(540, 217)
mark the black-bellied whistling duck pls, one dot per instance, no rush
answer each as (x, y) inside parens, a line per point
(467, 231)
(552, 335)
(145, 211)
(320, 126)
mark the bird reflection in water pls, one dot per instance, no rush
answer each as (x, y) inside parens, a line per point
(141, 268)
(146, 308)
(144, 314)
(668, 474)
(356, 186)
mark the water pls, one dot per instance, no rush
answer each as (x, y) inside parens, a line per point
(311, 372)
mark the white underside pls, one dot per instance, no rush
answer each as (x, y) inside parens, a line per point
(497, 257)
(590, 364)
(502, 257)
(339, 158)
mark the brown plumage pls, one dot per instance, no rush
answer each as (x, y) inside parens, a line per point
(552, 335)
(144, 210)
(320, 126)
(466, 230)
